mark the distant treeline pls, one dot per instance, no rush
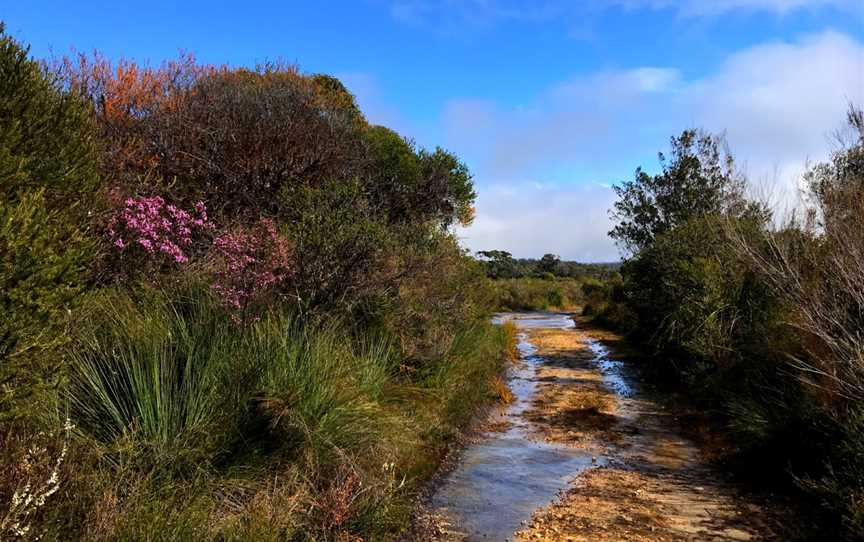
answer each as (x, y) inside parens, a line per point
(500, 264)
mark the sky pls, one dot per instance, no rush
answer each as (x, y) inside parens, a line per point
(549, 102)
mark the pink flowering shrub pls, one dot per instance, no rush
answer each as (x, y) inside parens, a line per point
(249, 264)
(156, 232)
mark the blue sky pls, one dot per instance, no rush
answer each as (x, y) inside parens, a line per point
(548, 101)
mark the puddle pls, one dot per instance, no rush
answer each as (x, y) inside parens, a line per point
(504, 478)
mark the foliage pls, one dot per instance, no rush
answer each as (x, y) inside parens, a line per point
(272, 331)
(817, 267)
(537, 293)
(501, 264)
(163, 372)
(176, 401)
(250, 264)
(416, 186)
(46, 139)
(444, 290)
(340, 245)
(692, 296)
(148, 233)
(761, 323)
(28, 485)
(47, 169)
(698, 179)
(605, 303)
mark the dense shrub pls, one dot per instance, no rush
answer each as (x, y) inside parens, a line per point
(698, 178)
(148, 234)
(817, 267)
(47, 167)
(248, 302)
(605, 303)
(232, 308)
(250, 267)
(501, 264)
(173, 399)
(416, 185)
(760, 323)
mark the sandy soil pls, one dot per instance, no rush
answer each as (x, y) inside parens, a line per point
(654, 485)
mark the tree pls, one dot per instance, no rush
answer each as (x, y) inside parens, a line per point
(500, 264)
(698, 179)
(549, 263)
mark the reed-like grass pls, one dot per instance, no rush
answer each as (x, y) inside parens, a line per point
(171, 374)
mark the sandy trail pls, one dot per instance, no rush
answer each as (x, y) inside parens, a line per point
(585, 454)
(654, 484)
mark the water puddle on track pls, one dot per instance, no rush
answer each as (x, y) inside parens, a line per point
(502, 479)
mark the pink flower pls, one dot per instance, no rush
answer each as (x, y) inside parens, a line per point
(250, 264)
(157, 228)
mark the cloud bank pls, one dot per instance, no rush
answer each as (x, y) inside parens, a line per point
(541, 168)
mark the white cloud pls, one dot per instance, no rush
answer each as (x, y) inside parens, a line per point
(530, 219)
(778, 104)
(581, 120)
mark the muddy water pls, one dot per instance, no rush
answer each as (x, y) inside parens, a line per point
(502, 479)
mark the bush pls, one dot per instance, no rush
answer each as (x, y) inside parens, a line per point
(172, 401)
(605, 303)
(759, 323)
(47, 164)
(273, 333)
(816, 267)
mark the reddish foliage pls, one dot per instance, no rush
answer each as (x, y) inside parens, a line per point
(233, 138)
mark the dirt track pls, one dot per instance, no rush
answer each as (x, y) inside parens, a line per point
(653, 483)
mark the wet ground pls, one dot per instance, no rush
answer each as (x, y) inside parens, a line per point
(585, 454)
(505, 477)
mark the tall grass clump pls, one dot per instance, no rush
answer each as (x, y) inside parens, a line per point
(465, 377)
(319, 391)
(171, 373)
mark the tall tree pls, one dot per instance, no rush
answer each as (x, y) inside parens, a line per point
(697, 178)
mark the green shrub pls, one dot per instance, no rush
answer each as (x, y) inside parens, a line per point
(48, 170)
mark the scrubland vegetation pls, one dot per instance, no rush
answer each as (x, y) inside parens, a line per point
(757, 319)
(547, 283)
(232, 308)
